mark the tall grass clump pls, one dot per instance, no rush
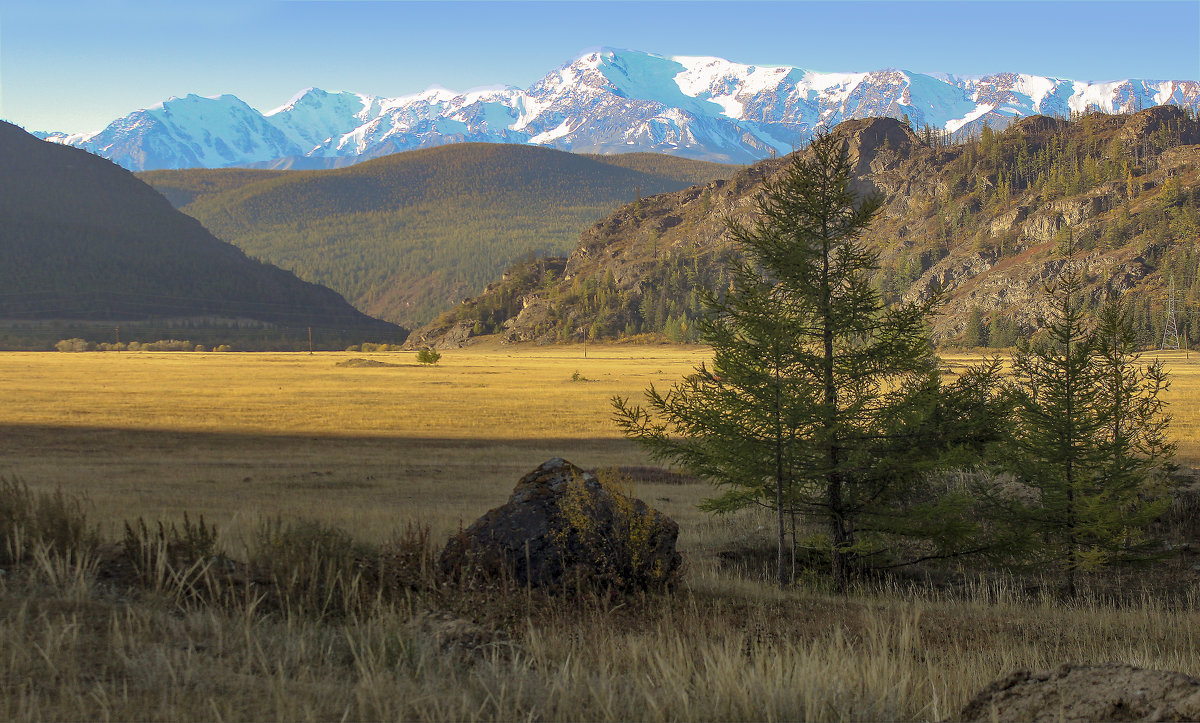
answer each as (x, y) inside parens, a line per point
(182, 563)
(52, 522)
(313, 569)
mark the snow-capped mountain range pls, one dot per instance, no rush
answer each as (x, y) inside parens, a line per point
(605, 101)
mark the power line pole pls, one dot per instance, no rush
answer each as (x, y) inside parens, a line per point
(310, 340)
(1170, 338)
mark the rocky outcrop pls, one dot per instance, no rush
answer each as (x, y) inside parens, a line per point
(454, 336)
(1088, 693)
(562, 527)
(525, 326)
(1140, 126)
(877, 144)
(1006, 221)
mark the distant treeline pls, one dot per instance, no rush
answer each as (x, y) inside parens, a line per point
(134, 336)
(74, 345)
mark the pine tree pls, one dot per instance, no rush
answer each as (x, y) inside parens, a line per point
(819, 400)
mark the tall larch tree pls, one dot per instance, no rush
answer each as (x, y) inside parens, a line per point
(819, 400)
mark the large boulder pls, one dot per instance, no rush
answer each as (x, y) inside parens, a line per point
(563, 527)
(1088, 693)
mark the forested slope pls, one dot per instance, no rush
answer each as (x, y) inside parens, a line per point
(85, 245)
(985, 221)
(407, 236)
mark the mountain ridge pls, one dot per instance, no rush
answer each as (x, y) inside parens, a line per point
(983, 222)
(604, 101)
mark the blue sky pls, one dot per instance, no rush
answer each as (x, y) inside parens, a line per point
(75, 65)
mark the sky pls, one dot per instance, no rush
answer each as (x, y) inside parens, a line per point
(76, 65)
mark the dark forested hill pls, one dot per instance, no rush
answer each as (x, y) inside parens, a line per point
(85, 245)
(986, 221)
(407, 236)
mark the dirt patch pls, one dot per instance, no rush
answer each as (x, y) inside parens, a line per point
(1088, 693)
(359, 362)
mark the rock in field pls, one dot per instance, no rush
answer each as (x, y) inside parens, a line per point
(561, 526)
(1088, 693)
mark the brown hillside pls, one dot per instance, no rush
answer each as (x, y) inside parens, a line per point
(984, 221)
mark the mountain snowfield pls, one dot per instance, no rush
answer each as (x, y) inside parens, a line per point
(606, 101)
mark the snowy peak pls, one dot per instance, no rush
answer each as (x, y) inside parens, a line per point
(313, 118)
(608, 101)
(191, 131)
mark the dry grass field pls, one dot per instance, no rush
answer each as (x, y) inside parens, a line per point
(232, 435)
(241, 437)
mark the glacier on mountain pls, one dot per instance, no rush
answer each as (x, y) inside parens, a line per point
(605, 101)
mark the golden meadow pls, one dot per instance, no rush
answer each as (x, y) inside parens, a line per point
(241, 437)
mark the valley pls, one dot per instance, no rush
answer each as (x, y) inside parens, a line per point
(619, 386)
(162, 433)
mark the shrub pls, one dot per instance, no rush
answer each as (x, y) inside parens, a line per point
(169, 345)
(74, 345)
(428, 356)
(408, 561)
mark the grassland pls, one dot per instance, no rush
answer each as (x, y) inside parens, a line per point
(241, 436)
(231, 435)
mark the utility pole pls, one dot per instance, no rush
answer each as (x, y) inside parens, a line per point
(1170, 338)
(310, 340)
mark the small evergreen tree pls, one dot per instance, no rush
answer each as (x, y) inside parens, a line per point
(427, 356)
(976, 333)
(1089, 437)
(819, 400)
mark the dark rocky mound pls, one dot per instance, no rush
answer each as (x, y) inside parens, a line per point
(1088, 693)
(562, 527)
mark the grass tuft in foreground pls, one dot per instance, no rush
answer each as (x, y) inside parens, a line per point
(315, 625)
